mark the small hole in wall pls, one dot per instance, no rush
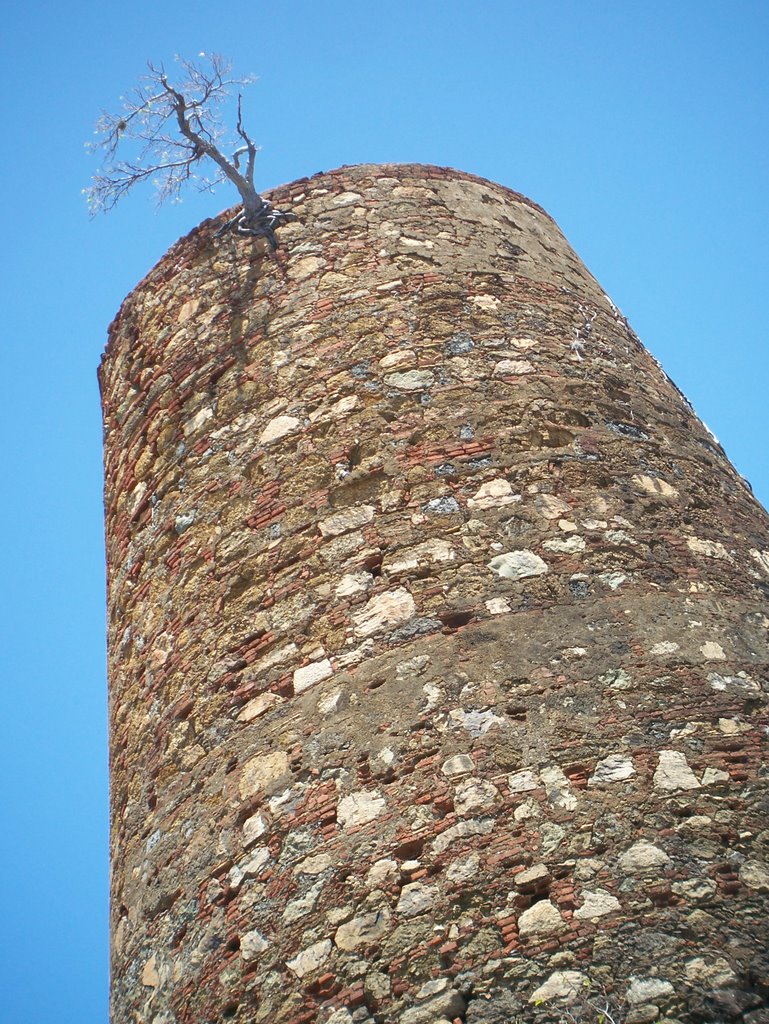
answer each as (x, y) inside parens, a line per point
(228, 895)
(454, 620)
(152, 801)
(230, 1010)
(724, 869)
(354, 456)
(409, 850)
(375, 684)
(234, 944)
(373, 564)
(527, 900)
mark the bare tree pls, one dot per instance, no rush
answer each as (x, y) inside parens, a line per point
(174, 135)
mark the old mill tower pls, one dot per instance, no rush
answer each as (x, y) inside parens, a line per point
(437, 634)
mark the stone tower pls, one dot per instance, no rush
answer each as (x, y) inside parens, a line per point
(437, 634)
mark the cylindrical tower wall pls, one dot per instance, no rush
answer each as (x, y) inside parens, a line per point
(437, 632)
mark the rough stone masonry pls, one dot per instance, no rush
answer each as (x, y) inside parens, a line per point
(437, 634)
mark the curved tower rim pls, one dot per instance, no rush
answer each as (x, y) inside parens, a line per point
(277, 193)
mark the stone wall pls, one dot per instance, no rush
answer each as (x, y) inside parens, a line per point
(437, 634)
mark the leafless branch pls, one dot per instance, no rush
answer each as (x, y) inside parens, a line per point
(172, 134)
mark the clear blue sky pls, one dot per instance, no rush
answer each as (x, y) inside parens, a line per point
(643, 128)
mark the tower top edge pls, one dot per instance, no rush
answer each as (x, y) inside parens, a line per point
(339, 179)
(426, 172)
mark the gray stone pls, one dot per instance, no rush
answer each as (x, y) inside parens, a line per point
(673, 772)
(597, 904)
(646, 990)
(713, 973)
(413, 667)
(311, 674)
(462, 830)
(695, 889)
(184, 521)
(541, 919)
(523, 781)
(496, 1007)
(458, 765)
(311, 959)
(643, 857)
(340, 1017)
(377, 987)
(477, 723)
(387, 609)
(614, 768)
(346, 520)
(359, 808)
(664, 648)
(464, 869)
(278, 427)
(419, 626)
(558, 789)
(732, 1003)
(570, 546)
(617, 679)
(363, 930)
(415, 899)
(532, 876)
(446, 1005)
(296, 909)
(432, 988)
(518, 565)
(252, 944)
(551, 836)
(458, 344)
(261, 770)
(563, 985)
(754, 876)
(742, 682)
(473, 795)
(642, 1014)
(587, 868)
(442, 506)
(411, 380)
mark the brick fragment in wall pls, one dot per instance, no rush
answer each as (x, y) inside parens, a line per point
(437, 632)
